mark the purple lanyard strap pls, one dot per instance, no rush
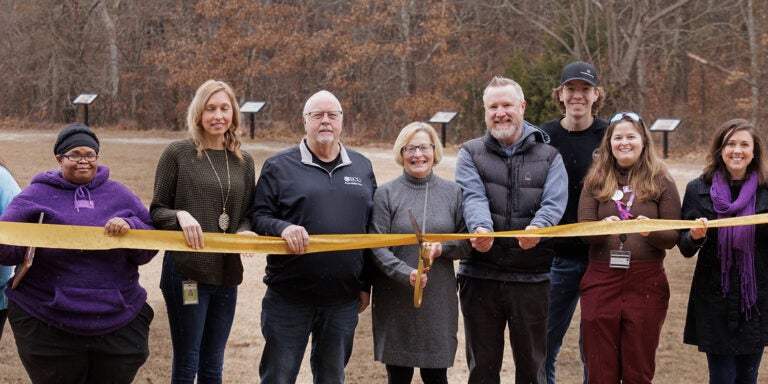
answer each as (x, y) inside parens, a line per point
(625, 208)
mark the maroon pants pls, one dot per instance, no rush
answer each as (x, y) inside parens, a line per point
(622, 311)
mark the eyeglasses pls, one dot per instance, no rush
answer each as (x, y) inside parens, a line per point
(91, 157)
(424, 148)
(619, 116)
(332, 115)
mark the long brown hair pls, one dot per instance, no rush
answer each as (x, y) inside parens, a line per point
(722, 135)
(195, 116)
(603, 177)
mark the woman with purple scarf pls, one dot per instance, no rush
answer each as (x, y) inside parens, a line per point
(729, 292)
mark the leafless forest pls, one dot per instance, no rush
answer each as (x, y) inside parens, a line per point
(389, 61)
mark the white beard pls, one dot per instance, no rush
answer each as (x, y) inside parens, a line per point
(504, 133)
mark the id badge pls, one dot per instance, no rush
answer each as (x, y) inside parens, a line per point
(189, 288)
(620, 259)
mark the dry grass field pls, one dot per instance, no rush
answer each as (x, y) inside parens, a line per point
(132, 157)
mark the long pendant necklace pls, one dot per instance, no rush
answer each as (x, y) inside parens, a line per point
(224, 217)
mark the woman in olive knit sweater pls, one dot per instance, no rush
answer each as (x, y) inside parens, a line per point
(203, 184)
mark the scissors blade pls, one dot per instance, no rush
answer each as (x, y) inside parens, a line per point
(24, 267)
(416, 228)
(28, 258)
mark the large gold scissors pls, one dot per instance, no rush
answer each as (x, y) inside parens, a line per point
(424, 260)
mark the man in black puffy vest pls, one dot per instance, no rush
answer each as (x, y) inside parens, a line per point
(511, 180)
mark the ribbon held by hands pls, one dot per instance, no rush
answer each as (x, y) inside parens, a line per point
(93, 238)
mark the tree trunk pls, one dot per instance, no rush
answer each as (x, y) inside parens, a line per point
(754, 68)
(681, 68)
(114, 54)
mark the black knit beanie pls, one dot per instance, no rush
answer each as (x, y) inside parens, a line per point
(73, 136)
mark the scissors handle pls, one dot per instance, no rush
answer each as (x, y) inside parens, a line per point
(418, 292)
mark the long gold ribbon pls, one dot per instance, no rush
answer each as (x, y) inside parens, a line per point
(94, 238)
(596, 228)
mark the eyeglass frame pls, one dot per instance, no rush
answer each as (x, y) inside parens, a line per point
(319, 115)
(75, 158)
(411, 149)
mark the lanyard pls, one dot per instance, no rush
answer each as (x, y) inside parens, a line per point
(625, 209)
(620, 258)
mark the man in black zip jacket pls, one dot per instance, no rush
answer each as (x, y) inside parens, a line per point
(316, 187)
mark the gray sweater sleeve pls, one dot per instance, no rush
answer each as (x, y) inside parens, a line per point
(381, 222)
(457, 249)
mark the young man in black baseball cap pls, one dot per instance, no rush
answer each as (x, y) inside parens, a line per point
(577, 136)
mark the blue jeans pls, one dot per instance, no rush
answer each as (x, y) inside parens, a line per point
(199, 332)
(286, 325)
(733, 369)
(566, 275)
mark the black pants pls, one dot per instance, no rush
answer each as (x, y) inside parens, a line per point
(403, 375)
(490, 306)
(3, 315)
(51, 355)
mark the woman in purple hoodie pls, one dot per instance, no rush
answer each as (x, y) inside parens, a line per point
(79, 316)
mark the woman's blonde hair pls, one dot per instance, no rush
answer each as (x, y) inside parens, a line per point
(195, 117)
(405, 136)
(603, 177)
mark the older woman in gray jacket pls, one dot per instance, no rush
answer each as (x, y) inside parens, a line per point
(405, 337)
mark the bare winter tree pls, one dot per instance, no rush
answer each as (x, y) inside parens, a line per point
(389, 61)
